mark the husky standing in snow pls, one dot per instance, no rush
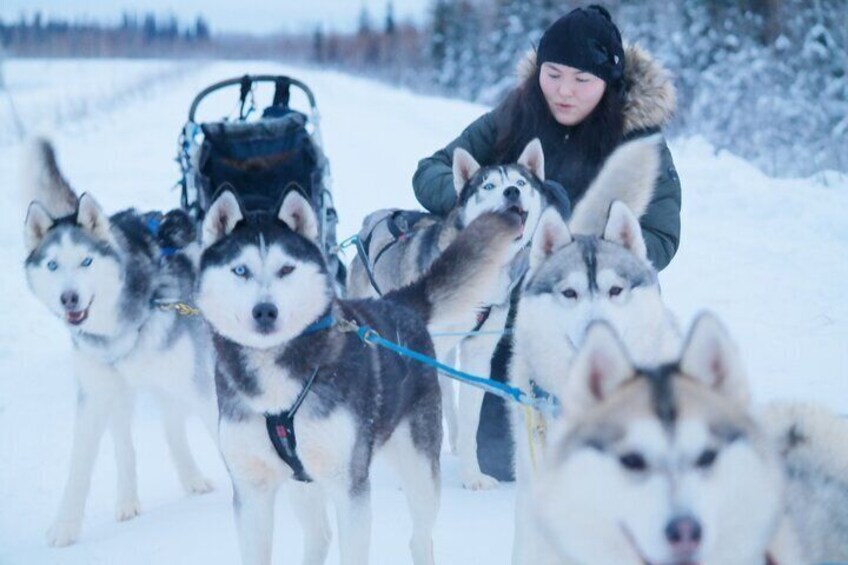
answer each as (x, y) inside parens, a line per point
(302, 397)
(103, 277)
(593, 268)
(399, 253)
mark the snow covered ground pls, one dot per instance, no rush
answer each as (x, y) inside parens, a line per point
(769, 256)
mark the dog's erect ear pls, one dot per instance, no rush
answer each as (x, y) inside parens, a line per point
(623, 228)
(464, 167)
(37, 223)
(221, 218)
(296, 212)
(600, 366)
(533, 158)
(551, 235)
(710, 356)
(92, 218)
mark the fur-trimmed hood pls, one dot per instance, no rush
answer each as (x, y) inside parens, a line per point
(650, 99)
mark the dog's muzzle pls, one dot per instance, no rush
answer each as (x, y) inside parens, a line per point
(73, 314)
(522, 213)
(265, 317)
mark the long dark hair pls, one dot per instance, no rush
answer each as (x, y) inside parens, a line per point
(573, 154)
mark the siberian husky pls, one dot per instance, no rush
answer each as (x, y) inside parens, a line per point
(664, 465)
(594, 268)
(401, 245)
(670, 464)
(287, 363)
(102, 276)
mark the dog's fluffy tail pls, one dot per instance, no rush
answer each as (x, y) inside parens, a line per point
(811, 431)
(43, 181)
(813, 444)
(467, 276)
(628, 175)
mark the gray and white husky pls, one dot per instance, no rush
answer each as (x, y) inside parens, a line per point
(101, 276)
(662, 465)
(593, 268)
(399, 255)
(283, 341)
(670, 464)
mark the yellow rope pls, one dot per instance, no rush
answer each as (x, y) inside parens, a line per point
(182, 308)
(528, 420)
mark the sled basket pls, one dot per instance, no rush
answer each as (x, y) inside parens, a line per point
(260, 157)
(260, 161)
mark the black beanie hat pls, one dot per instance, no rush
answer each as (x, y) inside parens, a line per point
(586, 39)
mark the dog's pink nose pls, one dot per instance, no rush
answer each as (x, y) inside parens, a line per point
(684, 535)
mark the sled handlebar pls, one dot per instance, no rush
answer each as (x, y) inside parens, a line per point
(246, 82)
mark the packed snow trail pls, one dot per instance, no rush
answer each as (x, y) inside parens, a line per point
(769, 256)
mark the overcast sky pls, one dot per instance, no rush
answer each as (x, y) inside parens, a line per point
(251, 16)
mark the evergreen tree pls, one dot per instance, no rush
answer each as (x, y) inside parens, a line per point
(201, 29)
(438, 34)
(390, 28)
(318, 45)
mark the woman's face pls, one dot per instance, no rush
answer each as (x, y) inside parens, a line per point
(571, 94)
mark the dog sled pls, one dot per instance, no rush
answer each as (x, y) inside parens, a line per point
(260, 156)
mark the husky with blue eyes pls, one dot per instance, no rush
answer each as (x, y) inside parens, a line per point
(302, 399)
(108, 279)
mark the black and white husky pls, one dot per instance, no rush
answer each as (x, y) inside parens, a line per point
(287, 364)
(400, 255)
(102, 276)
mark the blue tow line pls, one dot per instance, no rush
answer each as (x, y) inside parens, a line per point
(546, 405)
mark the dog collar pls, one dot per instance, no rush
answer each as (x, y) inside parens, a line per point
(321, 323)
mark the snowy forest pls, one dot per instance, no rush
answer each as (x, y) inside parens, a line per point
(765, 79)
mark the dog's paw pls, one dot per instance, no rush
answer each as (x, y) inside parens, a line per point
(127, 509)
(478, 481)
(198, 485)
(63, 533)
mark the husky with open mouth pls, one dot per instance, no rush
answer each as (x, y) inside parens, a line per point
(399, 245)
(105, 277)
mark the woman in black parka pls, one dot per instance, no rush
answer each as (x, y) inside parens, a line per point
(582, 93)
